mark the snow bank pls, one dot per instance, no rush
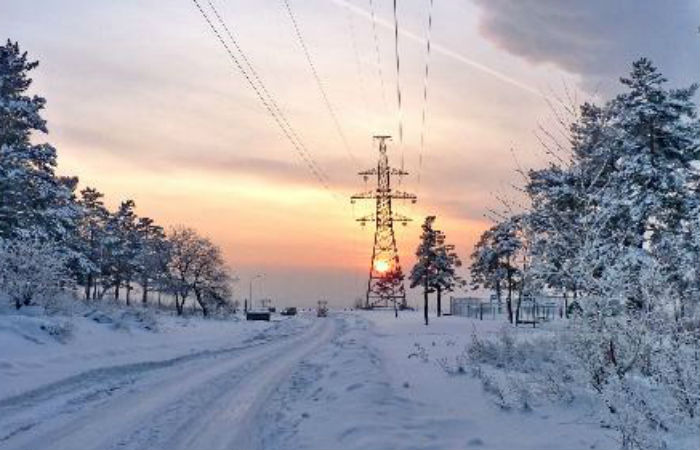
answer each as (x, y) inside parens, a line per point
(38, 349)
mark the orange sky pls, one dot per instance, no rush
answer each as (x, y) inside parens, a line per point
(144, 104)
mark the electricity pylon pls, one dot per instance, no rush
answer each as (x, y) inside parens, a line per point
(385, 283)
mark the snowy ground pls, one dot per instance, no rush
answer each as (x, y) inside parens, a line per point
(345, 381)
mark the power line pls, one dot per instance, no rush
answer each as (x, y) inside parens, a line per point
(258, 79)
(398, 81)
(425, 90)
(319, 83)
(306, 156)
(378, 54)
(274, 111)
(358, 66)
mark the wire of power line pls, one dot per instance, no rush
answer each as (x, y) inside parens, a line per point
(313, 167)
(380, 72)
(319, 83)
(309, 159)
(425, 90)
(358, 68)
(398, 81)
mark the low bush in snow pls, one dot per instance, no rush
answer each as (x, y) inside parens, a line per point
(61, 331)
(32, 271)
(640, 369)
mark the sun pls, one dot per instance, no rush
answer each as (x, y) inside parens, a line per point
(381, 266)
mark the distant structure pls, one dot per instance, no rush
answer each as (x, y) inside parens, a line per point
(385, 285)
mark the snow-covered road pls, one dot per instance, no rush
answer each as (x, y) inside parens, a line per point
(345, 381)
(202, 400)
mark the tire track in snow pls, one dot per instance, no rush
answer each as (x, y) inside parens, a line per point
(175, 403)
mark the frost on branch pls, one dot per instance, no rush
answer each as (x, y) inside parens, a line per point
(31, 271)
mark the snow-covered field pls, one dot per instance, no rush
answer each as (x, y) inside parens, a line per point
(352, 380)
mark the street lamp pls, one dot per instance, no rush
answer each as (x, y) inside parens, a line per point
(250, 288)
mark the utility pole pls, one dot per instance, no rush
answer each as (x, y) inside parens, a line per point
(385, 284)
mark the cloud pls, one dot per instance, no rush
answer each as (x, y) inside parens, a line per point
(597, 39)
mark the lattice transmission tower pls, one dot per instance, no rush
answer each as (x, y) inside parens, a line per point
(385, 284)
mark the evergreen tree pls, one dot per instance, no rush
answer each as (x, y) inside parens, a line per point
(654, 184)
(446, 263)
(494, 260)
(33, 200)
(149, 259)
(124, 246)
(628, 196)
(435, 268)
(92, 233)
(423, 272)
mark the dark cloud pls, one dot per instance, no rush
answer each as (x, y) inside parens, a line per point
(598, 39)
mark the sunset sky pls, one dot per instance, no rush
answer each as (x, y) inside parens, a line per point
(144, 103)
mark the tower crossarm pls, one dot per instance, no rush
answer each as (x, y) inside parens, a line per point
(399, 172)
(394, 218)
(400, 218)
(365, 219)
(368, 195)
(403, 196)
(368, 172)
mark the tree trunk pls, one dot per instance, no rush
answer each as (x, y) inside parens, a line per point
(517, 306)
(425, 302)
(178, 306)
(128, 292)
(509, 300)
(202, 305)
(439, 302)
(116, 288)
(144, 296)
(88, 285)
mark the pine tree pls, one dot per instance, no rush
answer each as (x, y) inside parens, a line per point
(446, 263)
(627, 197)
(654, 183)
(435, 268)
(124, 246)
(149, 263)
(92, 233)
(494, 260)
(33, 200)
(423, 272)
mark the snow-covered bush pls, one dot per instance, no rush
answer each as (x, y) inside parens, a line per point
(31, 271)
(641, 369)
(419, 352)
(61, 331)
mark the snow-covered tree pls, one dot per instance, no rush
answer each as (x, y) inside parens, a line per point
(485, 269)
(91, 234)
(32, 270)
(495, 260)
(149, 260)
(124, 246)
(33, 200)
(446, 263)
(196, 266)
(423, 272)
(628, 193)
(436, 265)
